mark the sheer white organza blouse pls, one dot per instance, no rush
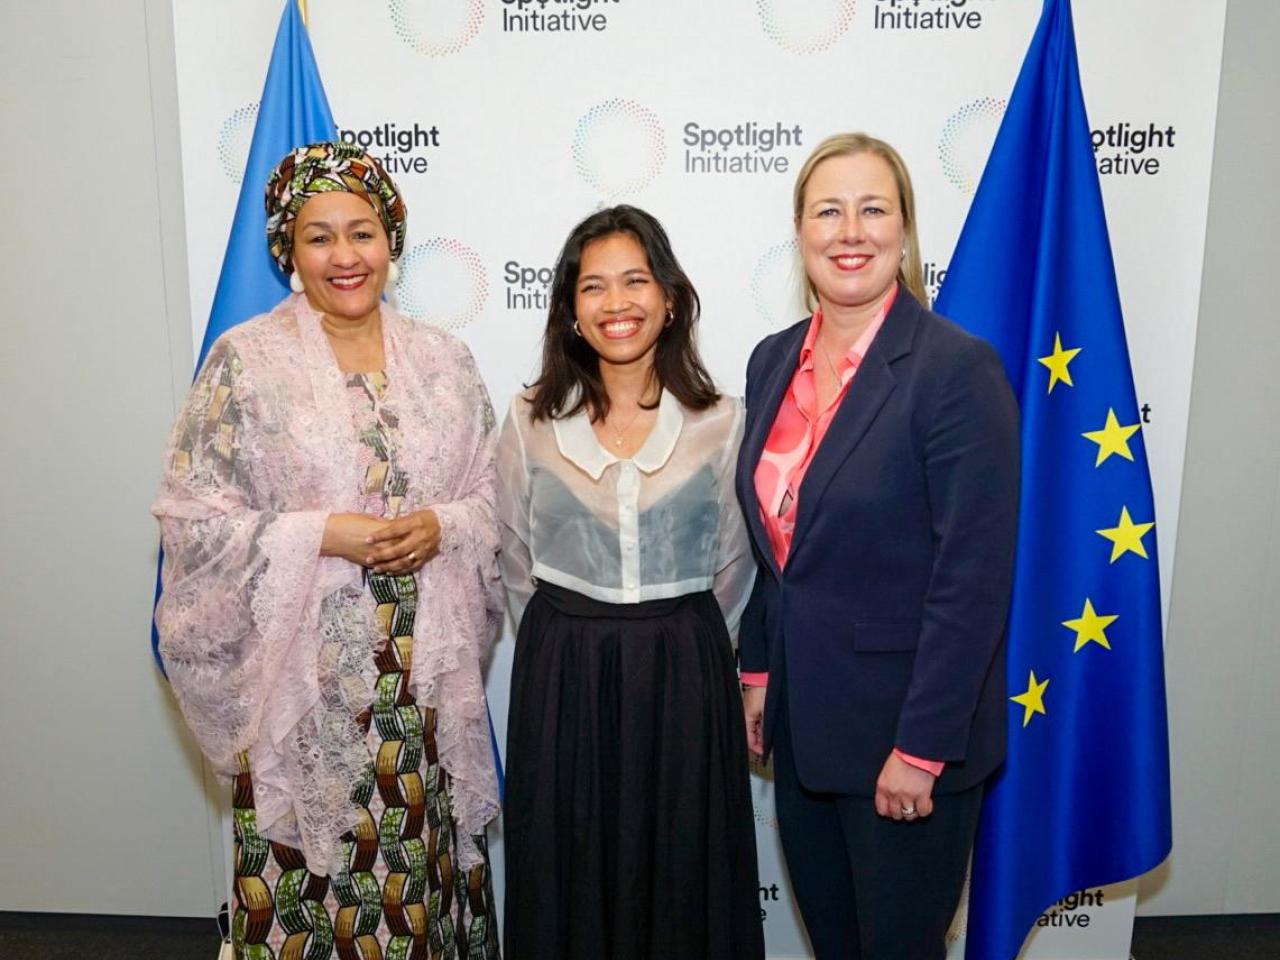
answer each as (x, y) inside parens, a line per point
(663, 524)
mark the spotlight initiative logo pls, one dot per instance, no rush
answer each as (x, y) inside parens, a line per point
(747, 147)
(618, 147)
(928, 15)
(1133, 148)
(966, 140)
(527, 286)
(401, 147)
(808, 27)
(234, 137)
(557, 16)
(934, 275)
(436, 28)
(442, 282)
(775, 285)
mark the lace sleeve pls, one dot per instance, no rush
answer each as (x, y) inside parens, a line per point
(460, 596)
(237, 578)
(468, 523)
(735, 566)
(516, 561)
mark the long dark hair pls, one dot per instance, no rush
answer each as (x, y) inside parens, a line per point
(570, 375)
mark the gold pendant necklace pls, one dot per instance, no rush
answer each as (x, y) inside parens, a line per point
(620, 434)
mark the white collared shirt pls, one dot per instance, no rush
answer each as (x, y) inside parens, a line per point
(664, 523)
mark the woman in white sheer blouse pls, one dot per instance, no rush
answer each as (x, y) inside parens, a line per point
(628, 820)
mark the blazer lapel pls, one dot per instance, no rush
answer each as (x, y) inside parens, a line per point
(867, 394)
(763, 410)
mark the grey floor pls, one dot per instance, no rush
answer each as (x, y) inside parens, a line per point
(60, 936)
(77, 937)
(1253, 936)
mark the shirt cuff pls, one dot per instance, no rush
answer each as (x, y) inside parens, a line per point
(928, 766)
(754, 679)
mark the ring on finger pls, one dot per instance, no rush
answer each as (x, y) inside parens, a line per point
(908, 811)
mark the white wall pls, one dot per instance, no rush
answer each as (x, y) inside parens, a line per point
(103, 808)
(1222, 653)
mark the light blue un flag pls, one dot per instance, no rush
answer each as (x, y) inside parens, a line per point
(292, 113)
(1083, 799)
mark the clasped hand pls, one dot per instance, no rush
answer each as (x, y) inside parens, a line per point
(903, 791)
(398, 546)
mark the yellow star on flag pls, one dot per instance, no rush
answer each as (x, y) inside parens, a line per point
(1032, 700)
(1057, 363)
(1091, 626)
(1112, 438)
(1126, 536)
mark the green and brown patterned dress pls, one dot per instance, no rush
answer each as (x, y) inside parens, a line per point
(397, 893)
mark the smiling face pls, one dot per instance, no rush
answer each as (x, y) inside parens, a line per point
(340, 252)
(851, 231)
(620, 308)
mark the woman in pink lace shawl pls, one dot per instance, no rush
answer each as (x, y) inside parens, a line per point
(331, 589)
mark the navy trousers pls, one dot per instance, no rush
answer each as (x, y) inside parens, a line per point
(868, 887)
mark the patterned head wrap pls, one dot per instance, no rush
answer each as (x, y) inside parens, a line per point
(324, 168)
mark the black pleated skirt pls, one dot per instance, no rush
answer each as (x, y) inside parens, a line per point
(629, 831)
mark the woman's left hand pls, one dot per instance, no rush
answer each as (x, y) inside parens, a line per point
(405, 544)
(903, 791)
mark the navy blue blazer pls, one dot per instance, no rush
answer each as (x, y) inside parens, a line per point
(886, 627)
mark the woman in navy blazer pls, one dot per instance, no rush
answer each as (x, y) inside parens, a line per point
(879, 478)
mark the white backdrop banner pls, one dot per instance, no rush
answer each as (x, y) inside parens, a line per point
(506, 121)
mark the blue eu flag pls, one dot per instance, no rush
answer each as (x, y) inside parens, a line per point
(1083, 799)
(292, 113)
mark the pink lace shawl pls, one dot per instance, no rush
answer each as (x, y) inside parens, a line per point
(259, 633)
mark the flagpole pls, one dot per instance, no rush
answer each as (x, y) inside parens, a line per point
(302, 8)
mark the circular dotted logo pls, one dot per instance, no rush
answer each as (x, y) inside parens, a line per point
(808, 27)
(436, 28)
(442, 282)
(234, 137)
(966, 140)
(618, 147)
(776, 285)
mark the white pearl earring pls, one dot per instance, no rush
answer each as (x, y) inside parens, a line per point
(295, 282)
(393, 273)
